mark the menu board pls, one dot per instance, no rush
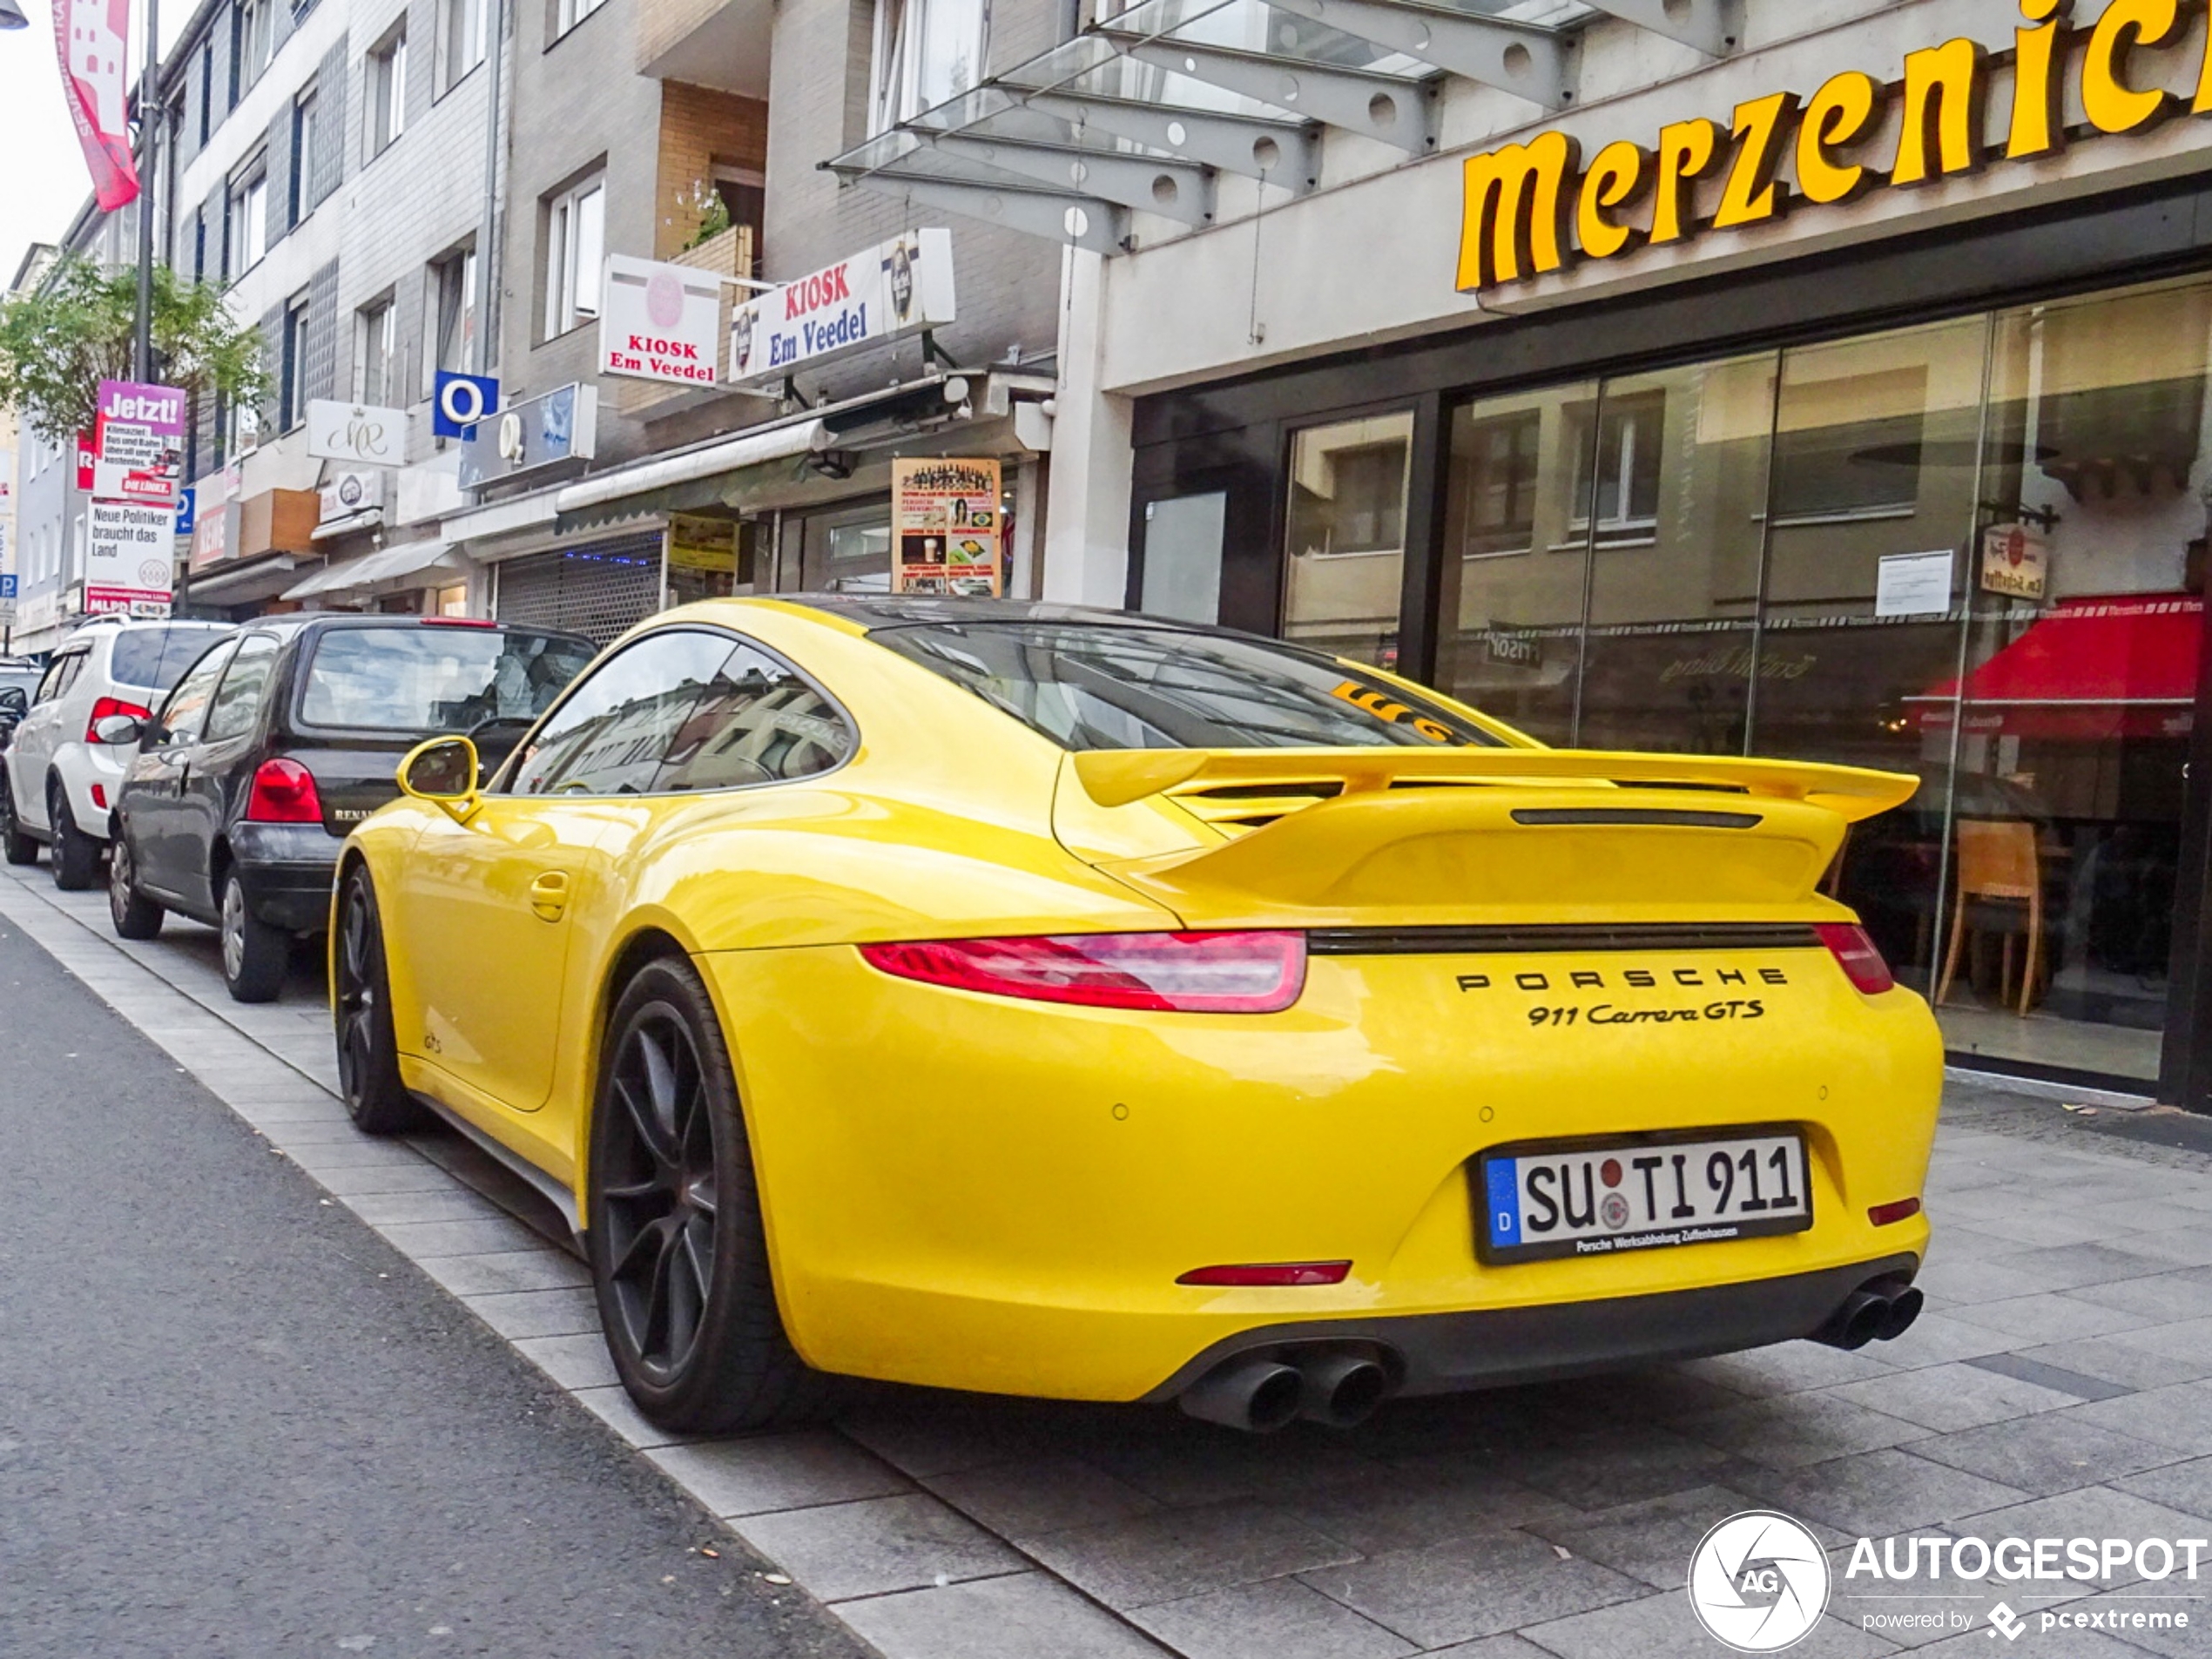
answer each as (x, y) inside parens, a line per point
(948, 528)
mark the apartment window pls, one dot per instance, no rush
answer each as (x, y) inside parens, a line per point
(249, 216)
(568, 13)
(1631, 432)
(206, 91)
(387, 92)
(304, 140)
(453, 300)
(575, 243)
(461, 39)
(380, 361)
(926, 52)
(256, 25)
(291, 381)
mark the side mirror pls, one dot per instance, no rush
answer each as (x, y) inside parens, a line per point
(118, 728)
(13, 701)
(444, 771)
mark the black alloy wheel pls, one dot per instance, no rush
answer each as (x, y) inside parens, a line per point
(368, 1053)
(678, 1260)
(77, 855)
(16, 846)
(135, 915)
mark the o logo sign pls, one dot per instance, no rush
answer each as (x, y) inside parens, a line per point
(463, 400)
(1758, 1582)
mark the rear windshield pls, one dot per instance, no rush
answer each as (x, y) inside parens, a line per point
(432, 679)
(158, 657)
(1088, 687)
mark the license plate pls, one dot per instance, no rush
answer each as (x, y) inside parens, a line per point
(1600, 1199)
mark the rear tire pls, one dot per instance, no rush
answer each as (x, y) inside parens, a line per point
(679, 1258)
(254, 953)
(77, 855)
(135, 915)
(16, 846)
(369, 1052)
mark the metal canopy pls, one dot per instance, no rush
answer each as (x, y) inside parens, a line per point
(1139, 112)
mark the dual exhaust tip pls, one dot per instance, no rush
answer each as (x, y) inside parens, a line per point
(1339, 1387)
(1881, 1310)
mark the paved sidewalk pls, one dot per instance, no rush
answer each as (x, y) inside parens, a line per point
(2061, 1385)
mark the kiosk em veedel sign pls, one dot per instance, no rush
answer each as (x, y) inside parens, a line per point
(891, 289)
(1534, 208)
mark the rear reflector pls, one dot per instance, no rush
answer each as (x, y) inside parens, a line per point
(1856, 954)
(1270, 1273)
(99, 794)
(1159, 973)
(283, 793)
(1888, 1215)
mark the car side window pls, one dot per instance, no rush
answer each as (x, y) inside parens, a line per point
(609, 735)
(181, 716)
(231, 712)
(59, 673)
(759, 722)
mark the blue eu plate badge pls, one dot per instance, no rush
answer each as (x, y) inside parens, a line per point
(1504, 1182)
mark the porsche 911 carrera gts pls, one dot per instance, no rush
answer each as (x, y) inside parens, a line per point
(1029, 1000)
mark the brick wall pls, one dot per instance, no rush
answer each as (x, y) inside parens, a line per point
(699, 128)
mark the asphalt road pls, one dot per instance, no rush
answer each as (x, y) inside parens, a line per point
(234, 1422)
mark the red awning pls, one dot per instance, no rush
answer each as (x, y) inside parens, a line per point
(2092, 669)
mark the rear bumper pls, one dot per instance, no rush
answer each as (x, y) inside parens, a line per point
(1441, 1353)
(287, 870)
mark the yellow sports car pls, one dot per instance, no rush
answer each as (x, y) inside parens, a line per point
(1046, 1001)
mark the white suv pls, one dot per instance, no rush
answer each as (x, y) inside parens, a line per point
(60, 778)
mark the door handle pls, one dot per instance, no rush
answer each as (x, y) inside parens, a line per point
(549, 895)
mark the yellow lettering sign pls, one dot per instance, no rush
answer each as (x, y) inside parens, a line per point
(1515, 222)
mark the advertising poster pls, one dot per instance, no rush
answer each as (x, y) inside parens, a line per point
(139, 442)
(131, 559)
(947, 527)
(2014, 561)
(91, 37)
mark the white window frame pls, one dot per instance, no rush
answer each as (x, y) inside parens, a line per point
(897, 87)
(291, 378)
(457, 270)
(567, 14)
(460, 40)
(387, 92)
(376, 381)
(576, 246)
(256, 39)
(249, 216)
(306, 112)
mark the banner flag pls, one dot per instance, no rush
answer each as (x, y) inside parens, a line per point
(91, 36)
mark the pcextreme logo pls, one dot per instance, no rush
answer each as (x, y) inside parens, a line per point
(1758, 1582)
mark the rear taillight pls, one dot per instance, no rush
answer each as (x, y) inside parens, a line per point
(283, 793)
(1856, 954)
(104, 706)
(1162, 973)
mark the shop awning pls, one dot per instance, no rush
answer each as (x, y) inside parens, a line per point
(1141, 111)
(393, 563)
(2090, 670)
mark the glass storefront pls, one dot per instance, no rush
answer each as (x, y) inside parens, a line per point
(1973, 550)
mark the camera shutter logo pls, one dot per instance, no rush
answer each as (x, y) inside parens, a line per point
(1758, 1582)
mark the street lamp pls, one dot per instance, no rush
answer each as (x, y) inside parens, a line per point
(12, 16)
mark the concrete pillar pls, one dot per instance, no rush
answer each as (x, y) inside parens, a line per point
(1086, 550)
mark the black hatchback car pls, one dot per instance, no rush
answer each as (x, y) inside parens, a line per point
(279, 740)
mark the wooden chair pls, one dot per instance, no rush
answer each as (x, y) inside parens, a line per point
(1997, 866)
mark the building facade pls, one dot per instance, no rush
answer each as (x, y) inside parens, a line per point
(1819, 380)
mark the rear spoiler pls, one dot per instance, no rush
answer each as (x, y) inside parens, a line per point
(1120, 777)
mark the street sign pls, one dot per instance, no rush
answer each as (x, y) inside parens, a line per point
(7, 601)
(187, 509)
(461, 402)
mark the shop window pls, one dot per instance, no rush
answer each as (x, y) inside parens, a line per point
(574, 247)
(1852, 447)
(843, 551)
(926, 52)
(388, 91)
(1348, 530)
